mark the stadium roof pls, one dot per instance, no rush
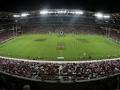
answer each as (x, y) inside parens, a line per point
(65, 12)
(60, 11)
(92, 5)
(44, 12)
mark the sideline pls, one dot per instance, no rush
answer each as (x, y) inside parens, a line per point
(59, 62)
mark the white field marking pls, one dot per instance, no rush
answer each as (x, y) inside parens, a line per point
(7, 39)
(59, 62)
(60, 58)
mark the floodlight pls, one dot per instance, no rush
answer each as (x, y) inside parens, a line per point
(24, 14)
(99, 15)
(61, 11)
(106, 16)
(44, 12)
(79, 12)
(50, 12)
(16, 16)
(72, 12)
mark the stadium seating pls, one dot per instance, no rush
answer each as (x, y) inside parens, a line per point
(75, 71)
(63, 73)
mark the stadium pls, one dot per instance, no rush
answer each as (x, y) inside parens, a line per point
(65, 48)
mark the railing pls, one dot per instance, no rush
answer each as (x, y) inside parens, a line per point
(13, 82)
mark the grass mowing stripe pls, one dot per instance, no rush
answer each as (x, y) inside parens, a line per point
(69, 46)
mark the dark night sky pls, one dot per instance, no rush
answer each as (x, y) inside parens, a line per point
(92, 5)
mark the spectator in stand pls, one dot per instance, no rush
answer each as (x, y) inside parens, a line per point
(52, 71)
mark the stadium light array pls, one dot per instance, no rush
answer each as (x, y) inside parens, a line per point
(44, 12)
(24, 14)
(99, 15)
(61, 11)
(79, 12)
(106, 16)
(102, 16)
(16, 16)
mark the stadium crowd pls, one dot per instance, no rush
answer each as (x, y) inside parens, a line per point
(63, 71)
(56, 28)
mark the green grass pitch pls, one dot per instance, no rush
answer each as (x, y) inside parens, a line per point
(69, 46)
